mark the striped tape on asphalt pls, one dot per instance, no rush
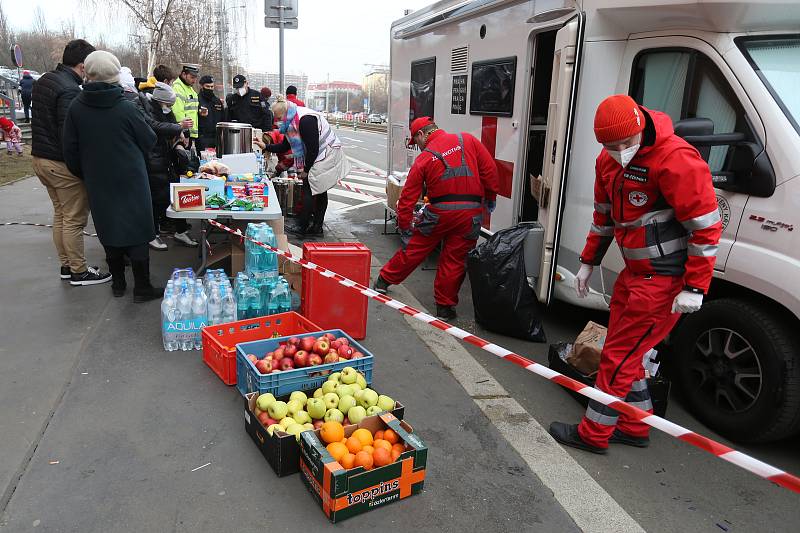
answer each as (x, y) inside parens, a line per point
(751, 464)
(39, 226)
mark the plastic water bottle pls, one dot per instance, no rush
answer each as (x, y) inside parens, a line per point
(185, 316)
(228, 304)
(168, 336)
(242, 300)
(199, 314)
(285, 301)
(214, 306)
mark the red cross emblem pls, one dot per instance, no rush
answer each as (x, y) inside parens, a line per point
(637, 198)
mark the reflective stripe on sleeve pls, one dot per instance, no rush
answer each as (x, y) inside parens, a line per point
(702, 222)
(650, 252)
(602, 208)
(703, 250)
(604, 231)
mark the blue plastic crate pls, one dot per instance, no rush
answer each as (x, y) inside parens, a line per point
(248, 379)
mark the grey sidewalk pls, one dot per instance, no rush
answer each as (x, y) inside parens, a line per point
(130, 421)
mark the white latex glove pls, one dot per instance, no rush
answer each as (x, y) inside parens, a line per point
(582, 280)
(687, 302)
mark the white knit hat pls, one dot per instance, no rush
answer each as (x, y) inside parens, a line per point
(126, 79)
(102, 66)
(163, 93)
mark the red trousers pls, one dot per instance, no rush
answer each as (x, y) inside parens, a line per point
(459, 232)
(641, 316)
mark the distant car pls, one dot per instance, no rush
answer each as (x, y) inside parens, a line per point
(374, 118)
(383, 117)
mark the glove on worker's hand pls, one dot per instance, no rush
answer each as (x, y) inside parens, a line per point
(490, 205)
(687, 302)
(582, 280)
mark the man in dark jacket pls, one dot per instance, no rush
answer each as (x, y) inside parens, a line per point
(52, 95)
(211, 112)
(244, 105)
(106, 143)
(26, 91)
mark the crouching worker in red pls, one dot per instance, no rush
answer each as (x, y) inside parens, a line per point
(653, 193)
(460, 180)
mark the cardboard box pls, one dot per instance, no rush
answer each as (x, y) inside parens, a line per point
(281, 450)
(344, 493)
(393, 190)
(187, 197)
(213, 186)
(539, 190)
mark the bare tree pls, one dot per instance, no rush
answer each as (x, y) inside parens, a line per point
(6, 35)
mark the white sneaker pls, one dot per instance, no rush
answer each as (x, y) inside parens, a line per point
(158, 244)
(184, 239)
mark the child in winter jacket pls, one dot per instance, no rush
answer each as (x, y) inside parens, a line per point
(12, 135)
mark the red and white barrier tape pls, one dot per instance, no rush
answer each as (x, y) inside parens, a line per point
(359, 191)
(40, 226)
(739, 459)
(368, 171)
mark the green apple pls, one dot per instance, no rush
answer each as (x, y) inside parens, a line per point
(302, 417)
(331, 400)
(308, 426)
(316, 408)
(334, 415)
(356, 414)
(294, 406)
(358, 394)
(295, 429)
(277, 410)
(287, 421)
(349, 375)
(368, 398)
(355, 386)
(344, 390)
(318, 393)
(264, 401)
(271, 429)
(361, 381)
(329, 386)
(299, 395)
(345, 403)
(385, 402)
(335, 376)
(374, 410)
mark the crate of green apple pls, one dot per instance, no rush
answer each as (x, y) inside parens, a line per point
(283, 365)
(275, 424)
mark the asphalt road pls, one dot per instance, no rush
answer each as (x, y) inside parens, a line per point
(670, 486)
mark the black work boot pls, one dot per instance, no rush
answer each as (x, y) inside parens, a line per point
(618, 437)
(143, 291)
(117, 268)
(445, 312)
(299, 228)
(381, 285)
(567, 434)
(315, 230)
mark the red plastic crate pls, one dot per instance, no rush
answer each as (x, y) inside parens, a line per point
(326, 302)
(220, 340)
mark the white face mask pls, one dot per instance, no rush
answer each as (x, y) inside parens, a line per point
(623, 157)
(242, 91)
(165, 109)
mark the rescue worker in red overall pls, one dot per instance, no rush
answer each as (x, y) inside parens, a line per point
(653, 193)
(460, 180)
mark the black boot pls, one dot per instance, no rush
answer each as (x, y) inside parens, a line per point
(618, 437)
(116, 265)
(315, 230)
(143, 291)
(445, 312)
(381, 285)
(567, 434)
(298, 228)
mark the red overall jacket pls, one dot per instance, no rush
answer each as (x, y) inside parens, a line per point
(430, 170)
(661, 209)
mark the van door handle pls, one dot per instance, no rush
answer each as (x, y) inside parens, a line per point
(553, 157)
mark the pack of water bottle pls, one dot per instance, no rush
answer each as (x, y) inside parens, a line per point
(259, 295)
(258, 261)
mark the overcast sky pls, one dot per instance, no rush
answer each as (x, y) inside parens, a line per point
(335, 37)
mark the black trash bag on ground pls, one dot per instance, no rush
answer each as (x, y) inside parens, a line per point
(503, 301)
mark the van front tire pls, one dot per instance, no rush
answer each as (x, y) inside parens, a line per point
(738, 367)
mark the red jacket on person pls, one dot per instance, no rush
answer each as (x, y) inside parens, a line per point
(295, 100)
(661, 208)
(428, 169)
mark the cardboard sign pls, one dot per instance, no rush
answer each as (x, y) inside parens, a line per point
(186, 197)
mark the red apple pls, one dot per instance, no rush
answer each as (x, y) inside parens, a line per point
(252, 358)
(332, 357)
(318, 423)
(279, 353)
(286, 364)
(258, 412)
(357, 355)
(264, 367)
(329, 336)
(346, 421)
(270, 355)
(276, 364)
(344, 340)
(346, 352)
(300, 359)
(314, 359)
(342, 359)
(322, 346)
(294, 341)
(335, 345)
(265, 419)
(289, 350)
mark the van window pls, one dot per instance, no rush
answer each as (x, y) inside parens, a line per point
(423, 85)
(492, 91)
(687, 84)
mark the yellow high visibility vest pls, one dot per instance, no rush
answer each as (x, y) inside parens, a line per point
(186, 104)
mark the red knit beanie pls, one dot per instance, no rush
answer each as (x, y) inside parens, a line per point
(618, 117)
(6, 124)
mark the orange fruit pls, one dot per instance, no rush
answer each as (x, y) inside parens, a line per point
(344, 441)
(364, 459)
(395, 454)
(368, 449)
(399, 448)
(354, 445)
(379, 434)
(331, 432)
(337, 450)
(382, 457)
(391, 436)
(380, 443)
(348, 461)
(363, 435)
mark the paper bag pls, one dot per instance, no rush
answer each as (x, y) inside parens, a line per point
(585, 355)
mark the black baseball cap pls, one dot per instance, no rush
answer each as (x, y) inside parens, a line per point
(238, 81)
(206, 79)
(291, 89)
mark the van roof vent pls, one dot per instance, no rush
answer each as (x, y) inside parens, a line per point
(459, 58)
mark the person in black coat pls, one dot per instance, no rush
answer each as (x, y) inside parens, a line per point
(211, 112)
(106, 144)
(244, 105)
(26, 93)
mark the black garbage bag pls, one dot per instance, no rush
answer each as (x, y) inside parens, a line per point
(504, 302)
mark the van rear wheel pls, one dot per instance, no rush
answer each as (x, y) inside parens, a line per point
(738, 367)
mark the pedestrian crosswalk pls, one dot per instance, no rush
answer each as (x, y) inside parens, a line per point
(361, 187)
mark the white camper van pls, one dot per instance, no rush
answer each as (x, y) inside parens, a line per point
(526, 77)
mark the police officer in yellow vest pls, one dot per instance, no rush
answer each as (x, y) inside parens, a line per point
(186, 104)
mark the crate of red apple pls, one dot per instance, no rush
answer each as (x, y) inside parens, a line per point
(287, 364)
